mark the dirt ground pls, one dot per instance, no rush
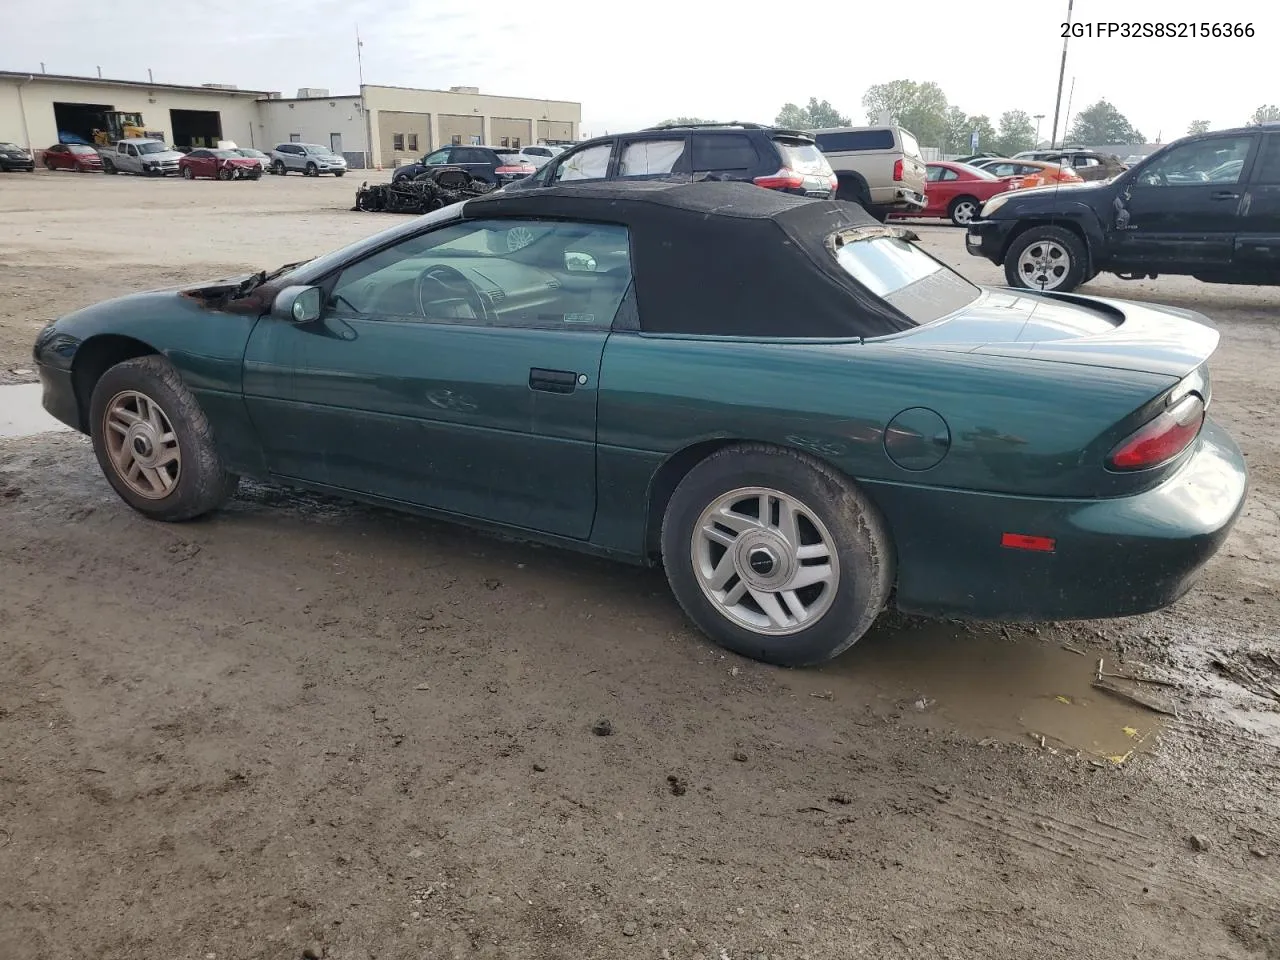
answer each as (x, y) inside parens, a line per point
(303, 728)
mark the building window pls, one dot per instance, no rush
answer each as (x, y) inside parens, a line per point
(295, 138)
(506, 141)
(515, 142)
(397, 141)
(413, 142)
(457, 139)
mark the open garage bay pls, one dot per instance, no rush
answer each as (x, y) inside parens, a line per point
(308, 725)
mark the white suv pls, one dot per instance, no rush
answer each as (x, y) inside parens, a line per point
(310, 159)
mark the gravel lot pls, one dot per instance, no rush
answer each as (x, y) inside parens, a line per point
(303, 725)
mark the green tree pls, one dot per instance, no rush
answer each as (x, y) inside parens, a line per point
(1100, 124)
(1198, 126)
(819, 113)
(1265, 114)
(1017, 132)
(919, 107)
(957, 140)
(683, 120)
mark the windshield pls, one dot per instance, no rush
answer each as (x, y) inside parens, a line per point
(315, 148)
(6, 145)
(896, 270)
(804, 158)
(909, 145)
(246, 152)
(977, 172)
(152, 147)
(224, 154)
(81, 148)
(515, 155)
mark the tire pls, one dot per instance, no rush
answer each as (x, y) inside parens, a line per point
(338, 173)
(48, 164)
(188, 174)
(964, 210)
(279, 169)
(225, 173)
(200, 482)
(843, 607)
(313, 170)
(1046, 258)
(256, 175)
(854, 191)
(108, 166)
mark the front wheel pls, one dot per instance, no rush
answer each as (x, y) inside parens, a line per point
(313, 170)
(338, 173)
(775, 555)
(225, 173)
(278, 168)
(154, 443)
(188, 173)
(108, 167)
(1046, 258)
(964, 210)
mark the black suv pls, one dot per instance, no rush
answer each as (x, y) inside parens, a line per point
(785, 160)
(1206, 206)
(500, 165)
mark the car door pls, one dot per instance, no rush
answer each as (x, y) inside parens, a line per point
(56, 157)
(941, 190)
(476, 161)
(454, 370)
(1257, 249)
(1177, 214)
(201, 163)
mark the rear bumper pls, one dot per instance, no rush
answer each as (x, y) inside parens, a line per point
(988, 239)
(1111, 558)
(899, 198)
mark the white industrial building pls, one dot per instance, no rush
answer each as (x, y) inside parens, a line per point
(387, 125)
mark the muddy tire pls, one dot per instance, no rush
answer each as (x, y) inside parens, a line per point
(154, 444)
(775, 555)
(1046, 258)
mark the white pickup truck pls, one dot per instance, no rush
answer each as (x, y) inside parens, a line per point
(148, 158)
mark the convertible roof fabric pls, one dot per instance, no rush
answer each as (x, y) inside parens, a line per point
(723, 258)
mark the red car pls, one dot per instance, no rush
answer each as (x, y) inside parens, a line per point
(79, 157)
(223, 164)
(957, 191)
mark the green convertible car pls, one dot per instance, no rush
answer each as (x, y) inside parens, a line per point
(793, 408)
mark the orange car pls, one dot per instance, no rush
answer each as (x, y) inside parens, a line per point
(1034, 173)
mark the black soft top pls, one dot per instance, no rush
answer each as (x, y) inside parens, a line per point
(724, 258)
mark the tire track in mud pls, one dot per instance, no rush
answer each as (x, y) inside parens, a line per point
(1115, 849)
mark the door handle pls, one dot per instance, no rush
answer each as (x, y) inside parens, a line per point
(552, 381)
(1226, 195)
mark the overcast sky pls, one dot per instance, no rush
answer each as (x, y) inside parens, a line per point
(631, 68)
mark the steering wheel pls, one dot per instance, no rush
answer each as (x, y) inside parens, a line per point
(455, 288)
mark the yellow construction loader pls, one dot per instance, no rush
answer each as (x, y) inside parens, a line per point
(120, 125)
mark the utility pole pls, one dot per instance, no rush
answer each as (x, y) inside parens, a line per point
(1038, 118)
(1062, 73)
(364, 107)
(1066, 117)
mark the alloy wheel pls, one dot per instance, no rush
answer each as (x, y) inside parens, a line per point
(1044, 265)
(142, 445)
(765, 561)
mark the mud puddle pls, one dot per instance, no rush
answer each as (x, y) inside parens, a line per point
(986, 685)
(21, 414)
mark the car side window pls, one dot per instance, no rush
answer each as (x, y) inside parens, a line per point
(437, 158)
(500, 273)
(933, 174)
(1268, 165)
(589, 164)
(649, 158)
(949, 175)
(1202, 161)
(724, 153)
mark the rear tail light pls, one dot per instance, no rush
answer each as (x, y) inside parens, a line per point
(1161, 439)
(835, 182)
(897, 169)
(512, 170)
(784, 179)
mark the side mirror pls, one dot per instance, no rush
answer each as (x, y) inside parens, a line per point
(579, 262)
(297, 304)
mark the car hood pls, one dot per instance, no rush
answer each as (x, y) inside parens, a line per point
(1074, 190)
(1068, 328)
(162, 155)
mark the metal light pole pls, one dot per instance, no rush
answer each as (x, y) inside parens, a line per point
(364, 108)
(1038, 118)
(1062, 73)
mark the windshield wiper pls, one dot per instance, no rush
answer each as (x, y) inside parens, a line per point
(261, 277)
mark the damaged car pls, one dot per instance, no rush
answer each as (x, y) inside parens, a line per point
(428, 191)
(796, 411)
(1206, 206)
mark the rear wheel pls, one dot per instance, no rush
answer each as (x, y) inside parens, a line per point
(775, 555)
(854, 191)
(154, 443)
(964, 210)
(1046, 258)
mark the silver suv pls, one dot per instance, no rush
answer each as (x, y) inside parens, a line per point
(310, 159)
(147, 158)
(878, 167)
